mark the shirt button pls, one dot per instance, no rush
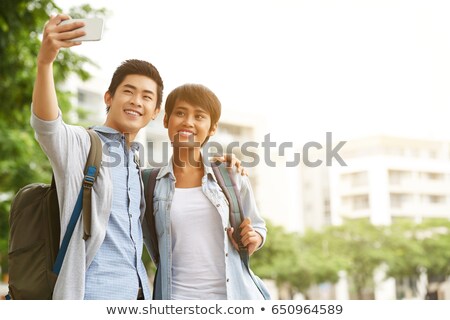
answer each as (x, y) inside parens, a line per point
(226, 229)
(228, 279)
(226, 254)
(218, 205)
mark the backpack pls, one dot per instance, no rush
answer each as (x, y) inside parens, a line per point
(34, 256)
(229, 187)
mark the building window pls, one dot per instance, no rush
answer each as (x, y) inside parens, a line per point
(433, 199)
(399, 177)
(398, 200)
(355, 179)
(361, 202)
(432, 176)
(358, 202)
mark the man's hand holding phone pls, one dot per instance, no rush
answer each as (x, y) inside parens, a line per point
(57, 36)
(63, 32)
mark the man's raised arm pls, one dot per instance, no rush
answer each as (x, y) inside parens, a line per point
(55, 37)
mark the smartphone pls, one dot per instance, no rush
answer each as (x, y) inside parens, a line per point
(92, 26)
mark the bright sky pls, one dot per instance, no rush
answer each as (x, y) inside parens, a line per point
(351, 67)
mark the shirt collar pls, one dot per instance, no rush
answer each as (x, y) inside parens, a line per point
(168, 170)
(208, 170)
(113, 134)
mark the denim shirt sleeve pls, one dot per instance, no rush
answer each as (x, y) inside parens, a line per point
(249, 206)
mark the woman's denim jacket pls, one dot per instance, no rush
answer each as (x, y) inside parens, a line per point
(239, 283)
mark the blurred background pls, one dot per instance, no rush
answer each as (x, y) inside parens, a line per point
(373, 74)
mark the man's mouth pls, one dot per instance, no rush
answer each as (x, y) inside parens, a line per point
(133, 113)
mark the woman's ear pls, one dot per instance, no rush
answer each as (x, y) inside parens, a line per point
(213, 129)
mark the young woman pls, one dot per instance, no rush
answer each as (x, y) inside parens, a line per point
(198, 259)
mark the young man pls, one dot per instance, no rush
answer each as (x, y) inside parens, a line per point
(198, 259)
(108, 264)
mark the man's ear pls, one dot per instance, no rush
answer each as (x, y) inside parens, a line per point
(213, 129)
(107, 98)
(166, 121)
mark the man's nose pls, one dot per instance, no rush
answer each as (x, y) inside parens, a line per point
(136, 100)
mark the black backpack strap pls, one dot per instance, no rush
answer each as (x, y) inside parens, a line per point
(229, 187)
(149, 179)
(90, 174)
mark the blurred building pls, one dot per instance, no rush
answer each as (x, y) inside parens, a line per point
(279, 192)
(87, 98)
(389, 178)
(386, 178)
(315, 194)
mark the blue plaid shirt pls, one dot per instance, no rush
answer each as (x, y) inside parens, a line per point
(117, 270)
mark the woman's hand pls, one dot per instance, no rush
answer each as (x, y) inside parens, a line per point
(250, 238)
(231, 161)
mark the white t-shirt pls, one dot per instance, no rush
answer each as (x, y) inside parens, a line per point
(198, 265)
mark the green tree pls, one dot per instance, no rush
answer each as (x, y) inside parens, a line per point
(403, 253)
(319, 248)
(358, 245)
(297, 262)
(280, 260)
(21, 159)
(435, 239)
(411, 249)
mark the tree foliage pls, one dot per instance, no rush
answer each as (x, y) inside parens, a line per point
(21, 159)
(405, 248)
(281, 260)
(435, 239)
(403, 252)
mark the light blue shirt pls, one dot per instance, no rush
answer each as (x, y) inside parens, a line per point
(117, 270)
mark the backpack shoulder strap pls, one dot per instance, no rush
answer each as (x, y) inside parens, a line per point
(229, 187)
(91, 171)
(149, 179)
